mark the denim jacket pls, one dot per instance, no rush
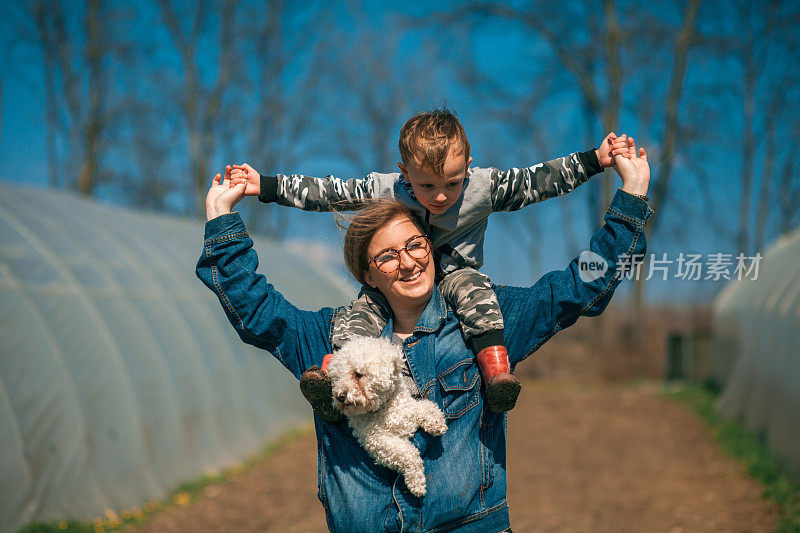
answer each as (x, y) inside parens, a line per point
(465, 467)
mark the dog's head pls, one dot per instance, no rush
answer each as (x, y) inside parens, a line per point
(365, 374)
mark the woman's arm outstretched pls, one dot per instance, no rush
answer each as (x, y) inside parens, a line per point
(259, 313)
(534, 314)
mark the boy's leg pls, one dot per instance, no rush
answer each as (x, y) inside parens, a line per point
(366, 316)
(475, 303)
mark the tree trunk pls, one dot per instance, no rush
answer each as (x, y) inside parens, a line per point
(748, 150)
(767, 168)
(614, 71)
(682, 47)
(787, 197)
(39, 11)
(683, 44)
(94, 58)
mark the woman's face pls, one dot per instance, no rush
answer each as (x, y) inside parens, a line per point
(411, 285)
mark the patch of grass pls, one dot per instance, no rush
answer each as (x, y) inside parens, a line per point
(66, 525)
(184, 494)
(781, 486)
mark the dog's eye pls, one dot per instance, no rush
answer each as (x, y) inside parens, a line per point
(358, 375)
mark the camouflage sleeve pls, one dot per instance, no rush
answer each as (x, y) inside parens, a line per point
(316, 194)
(514, 189)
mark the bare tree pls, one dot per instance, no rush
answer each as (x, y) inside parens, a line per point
(378, 94)
(749, 46)
(51, 111)
(672, 102)
(681, 49)
(761, 46)
(789, 189)
(522, 119)
(56, 51)
(76, 70)
(145, 174)
(201, 101)
(94, 52)
(10, 29)
(594, 65)
(779, 89)
(372, 89)
(279, 96)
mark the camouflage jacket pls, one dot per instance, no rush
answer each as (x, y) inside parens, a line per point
(457, 234)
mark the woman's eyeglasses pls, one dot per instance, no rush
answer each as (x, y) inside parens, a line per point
(387, 261)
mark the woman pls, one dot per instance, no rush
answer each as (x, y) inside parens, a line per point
(465, 467)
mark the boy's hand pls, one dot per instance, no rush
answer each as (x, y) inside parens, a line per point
(244, 174)
(222, 196)
(607, 146)
(633, 168)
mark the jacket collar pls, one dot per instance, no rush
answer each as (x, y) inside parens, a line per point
(431, 319)
(434, 314)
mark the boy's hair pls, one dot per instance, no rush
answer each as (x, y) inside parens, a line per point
(427, 138)
(362, 227)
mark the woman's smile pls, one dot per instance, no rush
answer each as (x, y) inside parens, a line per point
(412, 277)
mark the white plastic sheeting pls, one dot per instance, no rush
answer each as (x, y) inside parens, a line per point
(119, 374)
(756, 350)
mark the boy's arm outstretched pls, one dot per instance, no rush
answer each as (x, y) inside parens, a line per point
(304, 192)
(514, 189)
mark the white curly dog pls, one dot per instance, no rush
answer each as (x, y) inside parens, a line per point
(368, 388)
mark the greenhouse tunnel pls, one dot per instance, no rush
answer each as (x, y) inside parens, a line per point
(120, 376)
(756, 350)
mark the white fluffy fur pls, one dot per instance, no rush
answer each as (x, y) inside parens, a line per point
(368, 388)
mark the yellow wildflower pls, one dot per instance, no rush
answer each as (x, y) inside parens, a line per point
(182, 498)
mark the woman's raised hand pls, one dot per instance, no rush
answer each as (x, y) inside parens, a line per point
(632, 167)
(222, 196)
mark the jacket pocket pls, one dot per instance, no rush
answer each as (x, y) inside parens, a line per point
(460, 385)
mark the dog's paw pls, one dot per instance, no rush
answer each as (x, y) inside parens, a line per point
(415, 481)
(433, 422)
(437, 427)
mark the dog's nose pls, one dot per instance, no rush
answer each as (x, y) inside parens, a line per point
(342, 397)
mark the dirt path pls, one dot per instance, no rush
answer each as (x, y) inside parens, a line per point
(588, 458)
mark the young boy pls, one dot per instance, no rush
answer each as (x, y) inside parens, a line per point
(453, 202)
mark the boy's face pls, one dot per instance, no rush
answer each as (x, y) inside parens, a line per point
(437, 193)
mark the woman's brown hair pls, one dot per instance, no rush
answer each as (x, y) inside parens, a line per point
(361, 228)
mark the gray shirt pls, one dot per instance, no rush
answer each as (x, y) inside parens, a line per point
(408, 379)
